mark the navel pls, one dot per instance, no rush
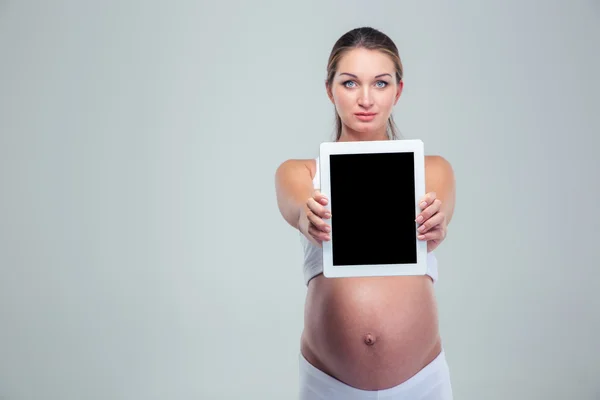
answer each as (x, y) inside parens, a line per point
(369, 339)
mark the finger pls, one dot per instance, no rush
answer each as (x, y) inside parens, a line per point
(317, 222)
(429, 211)
(314, 241)
(317, 234)
(317, 208)
(436, 220)
(320, 198)
(435, 234)
(427, 200)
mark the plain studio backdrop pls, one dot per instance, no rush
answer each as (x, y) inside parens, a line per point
(142, 254)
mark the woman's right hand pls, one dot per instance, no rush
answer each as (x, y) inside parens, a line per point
(312, 224)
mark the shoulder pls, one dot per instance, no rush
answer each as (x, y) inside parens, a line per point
(298, 166)
(439, 174)
(438, 165)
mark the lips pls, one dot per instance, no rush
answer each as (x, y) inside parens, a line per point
(365, 117)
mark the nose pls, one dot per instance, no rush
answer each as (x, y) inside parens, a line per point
(365, 99)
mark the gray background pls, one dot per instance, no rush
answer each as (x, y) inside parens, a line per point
(142, 255)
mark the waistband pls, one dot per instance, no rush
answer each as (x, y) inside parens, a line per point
(428, 377)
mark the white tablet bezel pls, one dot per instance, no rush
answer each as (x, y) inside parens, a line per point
(414, 146)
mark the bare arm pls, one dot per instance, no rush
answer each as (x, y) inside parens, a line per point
(293, 187)
(439, 178)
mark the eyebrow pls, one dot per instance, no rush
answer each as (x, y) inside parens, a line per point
(356, 77)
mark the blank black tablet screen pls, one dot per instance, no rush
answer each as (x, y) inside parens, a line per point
(373, 208)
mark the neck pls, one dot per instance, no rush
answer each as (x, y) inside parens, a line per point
(349, 135)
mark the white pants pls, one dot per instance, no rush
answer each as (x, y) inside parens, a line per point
(430, 383)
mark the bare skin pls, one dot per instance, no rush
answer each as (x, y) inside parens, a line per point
(370, 333)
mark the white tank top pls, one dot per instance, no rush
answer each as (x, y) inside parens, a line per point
(313, 255)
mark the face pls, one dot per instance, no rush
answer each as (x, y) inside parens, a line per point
(364, 92)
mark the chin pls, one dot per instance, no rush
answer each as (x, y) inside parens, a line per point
(367, 128)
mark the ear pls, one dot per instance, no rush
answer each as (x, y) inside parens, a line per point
(329, 92)
(399, 91)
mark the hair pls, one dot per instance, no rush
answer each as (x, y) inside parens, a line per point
(371, 39)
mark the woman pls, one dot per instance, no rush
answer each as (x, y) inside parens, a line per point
(374, 337)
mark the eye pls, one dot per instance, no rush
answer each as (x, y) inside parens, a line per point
(381, 84)
(347, 82)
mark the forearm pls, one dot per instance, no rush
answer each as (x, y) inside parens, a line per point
(293, 185)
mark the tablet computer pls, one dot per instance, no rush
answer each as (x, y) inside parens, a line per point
(373, 189)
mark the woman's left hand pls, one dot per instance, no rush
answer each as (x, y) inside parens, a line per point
(432, 221)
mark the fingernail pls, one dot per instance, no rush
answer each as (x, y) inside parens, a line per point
(421, 228)
(328, 229)
(423, 204)
(421, 237)
(420, 219)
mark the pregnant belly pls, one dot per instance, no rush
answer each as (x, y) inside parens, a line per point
(371, 333)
